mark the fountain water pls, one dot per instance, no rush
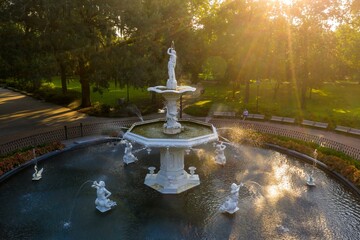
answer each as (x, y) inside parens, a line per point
(67, 224)
(134, 109)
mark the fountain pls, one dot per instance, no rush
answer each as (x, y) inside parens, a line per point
(102, 202)
(38, 173)
(40, 211)
(172, 136)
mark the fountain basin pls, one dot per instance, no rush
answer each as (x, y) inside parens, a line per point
(149, 133)
(172, 178)
(38, 210)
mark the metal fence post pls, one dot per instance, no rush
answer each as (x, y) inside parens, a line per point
(66, 133)
(81, 130)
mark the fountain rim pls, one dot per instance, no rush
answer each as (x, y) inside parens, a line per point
(179, 90)
(174, 143)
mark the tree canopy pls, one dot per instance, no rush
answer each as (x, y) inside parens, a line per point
(302, 42)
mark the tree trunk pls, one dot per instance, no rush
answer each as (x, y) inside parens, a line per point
(63, 78)
(85, 85)
(276, 89)
(127, 92)
(303, 97)
(247, 91)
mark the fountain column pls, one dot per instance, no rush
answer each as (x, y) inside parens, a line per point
(172, 178)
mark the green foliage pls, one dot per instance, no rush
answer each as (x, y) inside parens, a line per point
(19, 157)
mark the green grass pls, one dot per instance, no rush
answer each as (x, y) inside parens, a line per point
(109, 96)
(333, 103)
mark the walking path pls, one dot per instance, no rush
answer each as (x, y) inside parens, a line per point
(21, 115)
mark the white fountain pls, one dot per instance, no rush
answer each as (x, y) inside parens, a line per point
(172, 136)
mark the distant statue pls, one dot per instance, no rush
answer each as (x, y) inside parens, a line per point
(315, 154)
(171, 83)
(220, 156)
(128, 155)
(310, 179)
(231, 204)
(38, 174)
(102, 202)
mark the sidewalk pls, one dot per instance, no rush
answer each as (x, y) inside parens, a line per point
(21, 115)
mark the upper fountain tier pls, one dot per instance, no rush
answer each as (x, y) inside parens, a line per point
(177, 90)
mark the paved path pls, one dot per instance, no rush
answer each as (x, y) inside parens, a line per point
(21, 115)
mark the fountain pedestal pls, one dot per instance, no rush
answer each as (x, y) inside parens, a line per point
(172, 178)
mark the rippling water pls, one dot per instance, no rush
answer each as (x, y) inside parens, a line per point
(275, 203)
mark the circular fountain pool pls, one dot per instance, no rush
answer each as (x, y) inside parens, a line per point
(276, 203)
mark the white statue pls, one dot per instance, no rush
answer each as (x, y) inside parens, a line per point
(231, 203)
(37, 175)
(171, 83)
(315, 154)
(310, 179)
(128, 155)
(220, 156)
(171, 115)
(102, 202)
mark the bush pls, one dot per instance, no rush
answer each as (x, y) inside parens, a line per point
(10, 162)
(336, 161)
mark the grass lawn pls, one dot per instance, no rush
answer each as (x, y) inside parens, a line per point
(334, 103)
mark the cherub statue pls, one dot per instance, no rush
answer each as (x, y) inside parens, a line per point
(102, 202)
(219, 151)
(231, 203)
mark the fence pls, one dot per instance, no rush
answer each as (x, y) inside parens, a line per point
(351, 151)
(82, 130)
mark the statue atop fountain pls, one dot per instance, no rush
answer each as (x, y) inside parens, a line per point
(128, 155)
(171, 82)
(230, 205)
(102, 202)
(220, 156)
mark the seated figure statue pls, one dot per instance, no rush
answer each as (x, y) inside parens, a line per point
(128, 155)
(220, 156)
(102, 202)
(230, 205)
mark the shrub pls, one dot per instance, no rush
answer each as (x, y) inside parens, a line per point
(10, 162)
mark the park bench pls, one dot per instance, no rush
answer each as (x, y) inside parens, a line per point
(256, 116)
(224, 114)
(347, 130)
(282, 119)
(342, 128)
(314, 124)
